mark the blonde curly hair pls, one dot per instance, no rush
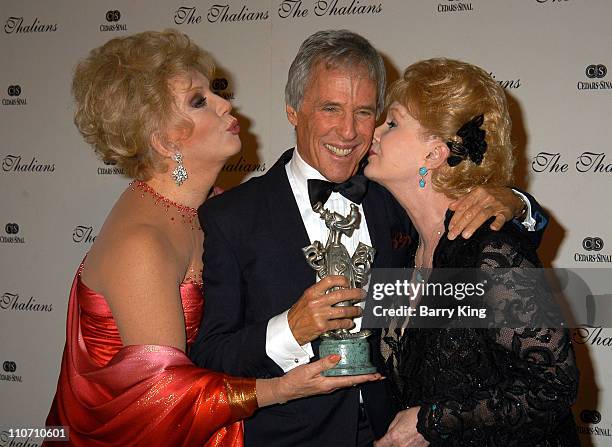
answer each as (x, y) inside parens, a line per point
(123, 96)
(444, 94)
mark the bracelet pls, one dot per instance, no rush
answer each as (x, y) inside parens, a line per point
(241, 396)
(525, 206)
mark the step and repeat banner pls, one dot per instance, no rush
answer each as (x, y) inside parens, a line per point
(551, 56)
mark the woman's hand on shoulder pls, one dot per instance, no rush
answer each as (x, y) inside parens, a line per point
(483, 202)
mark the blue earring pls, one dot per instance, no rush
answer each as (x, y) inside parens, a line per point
(422, 173)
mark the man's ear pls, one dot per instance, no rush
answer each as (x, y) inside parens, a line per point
(291, 115)
(162, 146)
(437, 155)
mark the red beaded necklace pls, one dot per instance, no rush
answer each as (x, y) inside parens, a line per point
(188, 213)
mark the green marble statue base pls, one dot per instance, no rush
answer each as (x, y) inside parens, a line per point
(355, 354)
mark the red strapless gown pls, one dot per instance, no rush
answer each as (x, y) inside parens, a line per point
(145, 395)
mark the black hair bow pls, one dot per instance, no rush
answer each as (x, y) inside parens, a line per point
(472, 145)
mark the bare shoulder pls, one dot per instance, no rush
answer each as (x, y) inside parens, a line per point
(130, 253)
(139, 275)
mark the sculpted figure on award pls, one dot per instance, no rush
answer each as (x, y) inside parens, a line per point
(333, 259)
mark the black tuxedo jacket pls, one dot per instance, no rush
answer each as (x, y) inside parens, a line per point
(254, 270)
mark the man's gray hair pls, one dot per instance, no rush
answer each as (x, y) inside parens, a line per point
(337, 49)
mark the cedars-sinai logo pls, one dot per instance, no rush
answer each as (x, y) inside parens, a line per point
(17, 25)
(110, 168)
(16, 163)
(112, 18)
(12, 302)
(595, 74)
(593, 245)
(590, 416)
(218, 13)
(590, 419)
(297, 8)
(14, 99)
(12, 230)
(83, 234)
(9, 368)
(455, 6)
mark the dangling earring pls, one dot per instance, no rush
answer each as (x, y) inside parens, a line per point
(179, 175)
(422, 173)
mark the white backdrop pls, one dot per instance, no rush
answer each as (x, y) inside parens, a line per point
(550, 55)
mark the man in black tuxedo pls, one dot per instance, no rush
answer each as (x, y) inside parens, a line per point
(263, 315)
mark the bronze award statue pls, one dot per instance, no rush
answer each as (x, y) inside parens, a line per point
(333, 259)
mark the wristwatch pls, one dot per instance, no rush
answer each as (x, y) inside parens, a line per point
(523, 212)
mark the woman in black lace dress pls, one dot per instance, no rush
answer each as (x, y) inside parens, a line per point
(447, 131)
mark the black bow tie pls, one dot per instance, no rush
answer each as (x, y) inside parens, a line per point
(353, 189)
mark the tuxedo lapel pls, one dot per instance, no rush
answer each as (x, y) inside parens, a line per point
(290, 235)
(378, 225)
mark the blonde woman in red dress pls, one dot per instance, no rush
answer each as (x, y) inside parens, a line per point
(144, 103)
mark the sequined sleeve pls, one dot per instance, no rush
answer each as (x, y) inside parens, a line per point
(241, 396)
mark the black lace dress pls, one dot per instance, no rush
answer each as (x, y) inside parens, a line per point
(488, 387)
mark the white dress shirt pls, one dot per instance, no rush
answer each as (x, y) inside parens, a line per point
(281, 345)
